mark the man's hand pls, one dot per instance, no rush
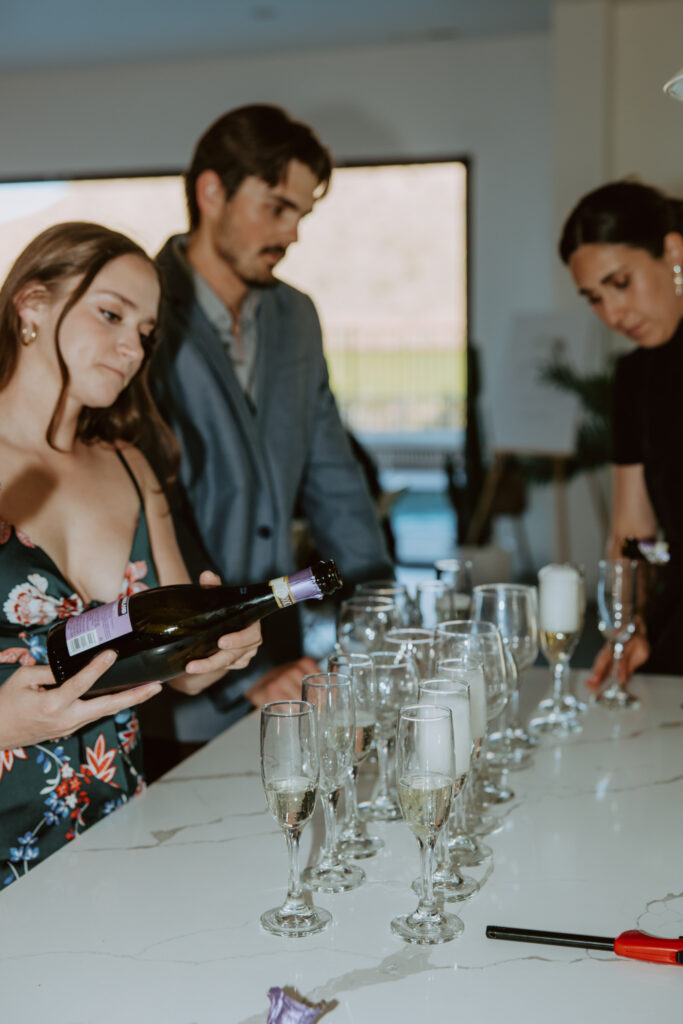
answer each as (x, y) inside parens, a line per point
(282, 682)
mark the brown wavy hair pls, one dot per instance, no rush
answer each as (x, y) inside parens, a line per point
(78, 250)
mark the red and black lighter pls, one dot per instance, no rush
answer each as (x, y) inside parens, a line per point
(634, 944)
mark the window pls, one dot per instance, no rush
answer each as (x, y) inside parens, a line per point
(385, 258)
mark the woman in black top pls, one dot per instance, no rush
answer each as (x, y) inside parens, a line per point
(623, 244)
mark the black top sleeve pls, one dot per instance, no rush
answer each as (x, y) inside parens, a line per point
(627, 419)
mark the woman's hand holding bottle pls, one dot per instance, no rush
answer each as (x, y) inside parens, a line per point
(33, 709)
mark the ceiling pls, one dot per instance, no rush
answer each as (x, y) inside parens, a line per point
(72, 33)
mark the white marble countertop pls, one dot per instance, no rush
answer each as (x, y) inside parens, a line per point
(152, 915)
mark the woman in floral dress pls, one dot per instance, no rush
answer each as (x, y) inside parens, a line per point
(82, 522)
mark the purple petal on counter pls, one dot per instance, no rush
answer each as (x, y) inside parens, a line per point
(285, 1010)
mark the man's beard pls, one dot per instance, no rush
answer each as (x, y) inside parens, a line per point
(249, 276)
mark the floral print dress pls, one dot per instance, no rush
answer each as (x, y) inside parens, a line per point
(52, 791)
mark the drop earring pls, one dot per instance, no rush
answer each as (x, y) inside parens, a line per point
(29, 332)
(678, 280)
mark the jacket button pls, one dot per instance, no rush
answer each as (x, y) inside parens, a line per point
(265, 532)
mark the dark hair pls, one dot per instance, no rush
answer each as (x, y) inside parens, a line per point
(258, 140)
(78, 250)
(622, 213)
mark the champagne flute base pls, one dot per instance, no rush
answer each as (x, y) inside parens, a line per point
(359, 846)
(616, 698)
(557, 724)
(505, 751)
(338, 877)
(428, 929)
(449, 885)
(568, 703)
(522, 740)
(468, 852)
(295, 924)
(381, 809)
(484, 825)
(492, 792)
(572, 703)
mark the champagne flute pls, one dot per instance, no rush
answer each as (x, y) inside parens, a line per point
(435, 602)
(393, 591)
(561, 610)
(414, 642)
(354, 840)
(617, 607)
(363, 622)
(453, 694)
(512, 608)
(396, 680)
(332, 698)
(482, 641)
(426, 779)
(457, 573)
(289, 770)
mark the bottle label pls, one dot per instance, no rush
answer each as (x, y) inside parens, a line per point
(300, 586)
(98, 626)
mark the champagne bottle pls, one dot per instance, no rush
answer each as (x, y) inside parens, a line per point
(156, 632)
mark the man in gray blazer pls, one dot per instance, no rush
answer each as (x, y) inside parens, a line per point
(240, 375)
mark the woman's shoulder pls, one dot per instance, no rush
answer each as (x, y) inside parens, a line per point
(140, 468)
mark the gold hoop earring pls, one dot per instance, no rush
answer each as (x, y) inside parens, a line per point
(29, 333)
(678, 280)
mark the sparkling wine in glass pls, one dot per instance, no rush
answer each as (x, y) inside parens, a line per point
(561, 611)
(489, 786)
(617, 608)
(331, 695)
(426, 779)
(354, 840)
(289, 770)
(454, 694)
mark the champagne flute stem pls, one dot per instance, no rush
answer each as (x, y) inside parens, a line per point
(329, 805)
(513, 707)
(558, 684)
(351, 798)
(617, 653)
(427, 903)
(294, 900)
(383, 767)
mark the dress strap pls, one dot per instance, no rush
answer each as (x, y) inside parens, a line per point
(131, 474)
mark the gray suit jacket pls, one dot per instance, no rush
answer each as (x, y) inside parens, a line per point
(243, 471)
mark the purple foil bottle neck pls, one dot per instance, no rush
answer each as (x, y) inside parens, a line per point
(303, 586)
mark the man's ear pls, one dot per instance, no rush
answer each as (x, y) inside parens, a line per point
(31, 300)
(210, 195)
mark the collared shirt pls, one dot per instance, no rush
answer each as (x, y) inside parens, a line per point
(240, 346)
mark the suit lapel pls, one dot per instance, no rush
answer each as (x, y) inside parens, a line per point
(193, 323)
